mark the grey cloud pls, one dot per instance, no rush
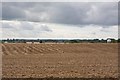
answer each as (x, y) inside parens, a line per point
(21, 26)
(63, 13)
(119, 13)
(94, 33)
(44, 27)
(10, 12)
(0, 11)
(6, 25)
(68, 14)
(77, 13)
(106, 14)
(104, 30)
(26, 26)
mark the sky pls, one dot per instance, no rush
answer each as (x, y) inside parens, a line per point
(79, 20)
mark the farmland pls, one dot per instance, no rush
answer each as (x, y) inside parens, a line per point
(82, 60)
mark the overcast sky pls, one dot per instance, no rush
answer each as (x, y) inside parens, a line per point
(59, 20)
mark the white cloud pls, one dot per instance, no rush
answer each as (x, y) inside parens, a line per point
(23, 29)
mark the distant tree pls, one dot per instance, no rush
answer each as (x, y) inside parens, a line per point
(96, 40)
(40, 41)
(118, 40)
(74, 41)
(113, 40)
(103, 41)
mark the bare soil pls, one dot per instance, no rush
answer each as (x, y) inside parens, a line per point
(84, 60)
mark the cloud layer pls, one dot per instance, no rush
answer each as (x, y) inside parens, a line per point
(18, 29)
(75, 13)
(59, 20)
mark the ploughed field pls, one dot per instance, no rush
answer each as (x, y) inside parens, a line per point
(83, 60)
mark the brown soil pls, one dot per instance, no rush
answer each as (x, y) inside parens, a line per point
(85, 60)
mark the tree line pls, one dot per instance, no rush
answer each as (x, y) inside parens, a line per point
(60, 40)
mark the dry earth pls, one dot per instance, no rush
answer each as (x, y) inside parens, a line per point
(85, 60)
